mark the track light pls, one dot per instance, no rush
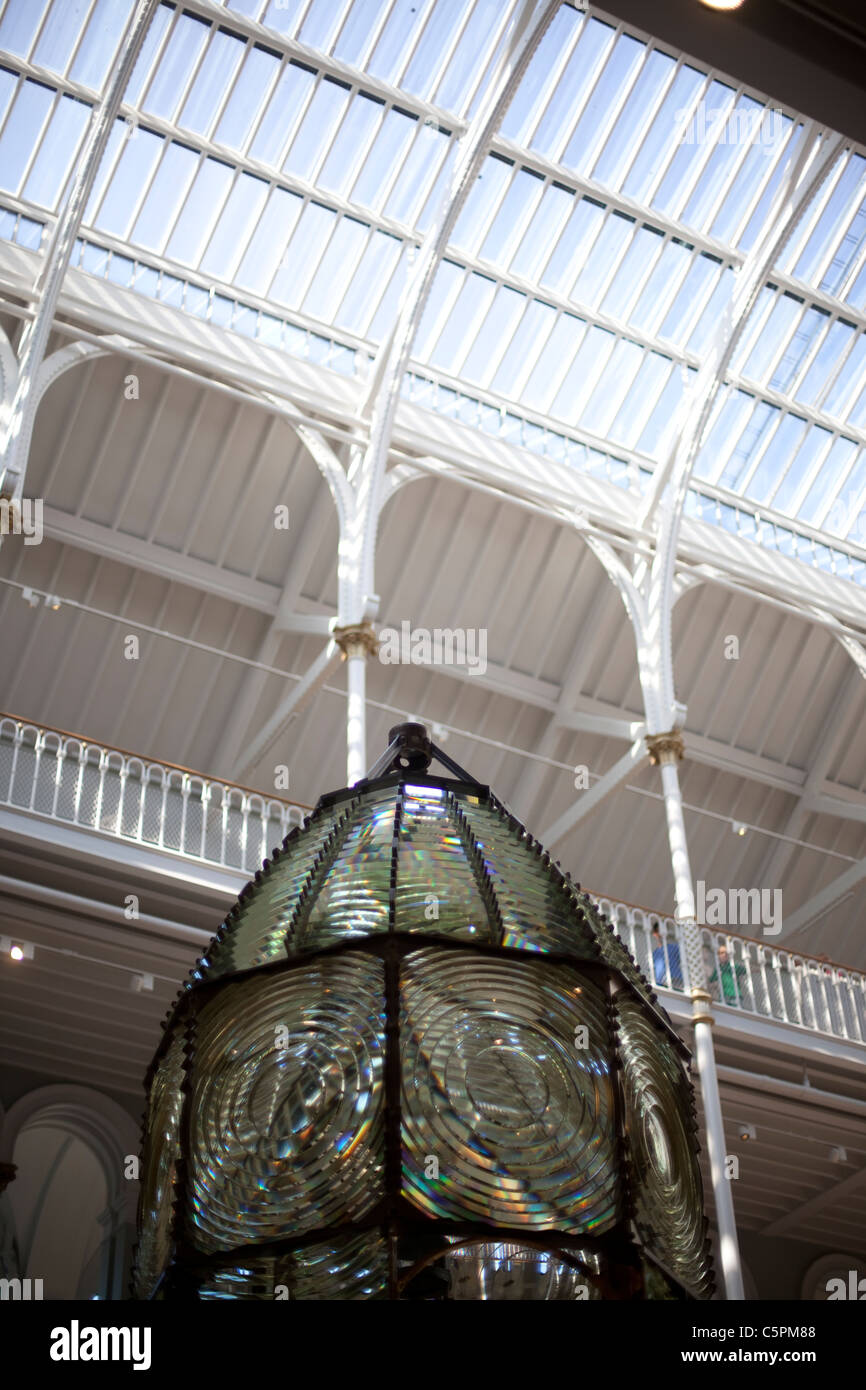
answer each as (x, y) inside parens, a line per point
(746, 1131)
(29, 596)
(739, 827)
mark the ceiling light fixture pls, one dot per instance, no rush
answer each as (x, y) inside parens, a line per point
(746, 1131)
(31, 597)
(739, 827)
(18, 950)
(722, 4)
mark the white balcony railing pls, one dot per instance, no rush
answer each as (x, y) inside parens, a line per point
(746, 975)
(80, 783)
(70, 780)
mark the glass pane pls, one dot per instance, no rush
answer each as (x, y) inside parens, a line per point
(56, 154)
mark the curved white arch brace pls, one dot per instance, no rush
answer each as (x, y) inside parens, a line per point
(96, 1119)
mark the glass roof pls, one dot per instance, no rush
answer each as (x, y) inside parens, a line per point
(277, 164)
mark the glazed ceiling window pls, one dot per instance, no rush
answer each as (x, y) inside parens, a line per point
(296, 152)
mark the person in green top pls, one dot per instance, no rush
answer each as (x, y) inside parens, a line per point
(730, 977)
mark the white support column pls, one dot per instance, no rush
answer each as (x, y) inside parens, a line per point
(665, 751)
(356, 643)
(15, 445)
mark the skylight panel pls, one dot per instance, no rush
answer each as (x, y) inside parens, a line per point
(849, 383)
(352, 144)
(166, 196)
(800, 471)
(592, 360)
(417, 181)
(25, 123)
(552, 363)
(835, 342)
(694, 148)
(542, 79)
(322, 23)
(481, 204)
(59, 35)
(710, 316)
(820, 247)
(604, 257)
(336, 269)
(281, 15)
(8, 83)
(726, 439)
(247, 97)
(782, 445)
(798, 350)
(543, 232)
(131, 177)
(359, 31)
(386, 155)
(235, 224)
(569, 253)
(602, 109)
(673, 265)
(514, 211)
(373, 274)
(268, 243)
(200, 211)
(404, 23)
(301, 257)
(50, 169)
(661, 141)
(768, 343)
(485, 21)
(494, 335)
(436, 42)
(523, 351)
(176, 64)
(620, 147)
(326, 110)
(761, 159)
(99, 45)
(658, 431)
(388, 296)
(282, 113)
(212, 81)
(818, 500)
(729, 150)
(458, 332)
(153, 40)
(594, 46)
(847, 516)
(614, 382)
(643, 251)
(19, 26)
(639, 402)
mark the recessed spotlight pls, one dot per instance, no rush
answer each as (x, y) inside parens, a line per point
(17, 950)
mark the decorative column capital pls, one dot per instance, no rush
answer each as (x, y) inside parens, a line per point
(665, 748)
(702, 1007)
(357, 639)
(7, 1174)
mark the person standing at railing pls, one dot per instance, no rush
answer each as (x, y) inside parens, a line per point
(730, 976)
(660, 964)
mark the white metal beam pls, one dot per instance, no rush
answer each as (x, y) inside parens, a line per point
(589, 799)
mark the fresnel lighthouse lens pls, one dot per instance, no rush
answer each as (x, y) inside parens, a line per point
(416, 1063)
